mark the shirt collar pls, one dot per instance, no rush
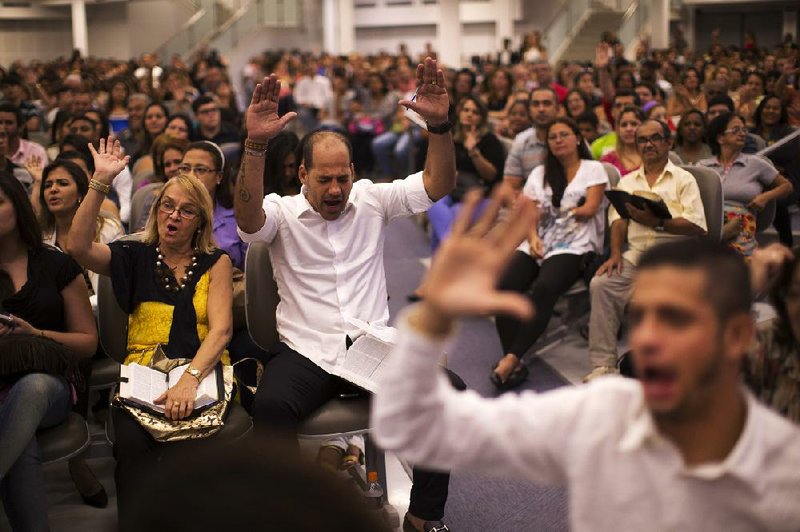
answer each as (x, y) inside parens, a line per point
(669, 168)
(745, 460)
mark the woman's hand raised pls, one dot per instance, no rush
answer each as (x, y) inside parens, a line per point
(108, 160)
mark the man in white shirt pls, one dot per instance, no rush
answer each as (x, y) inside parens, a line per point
(326, 247)
(686, 447)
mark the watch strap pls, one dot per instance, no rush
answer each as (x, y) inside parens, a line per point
(441, 129)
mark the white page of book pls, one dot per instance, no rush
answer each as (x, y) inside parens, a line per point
(207, 391)
(144, 384)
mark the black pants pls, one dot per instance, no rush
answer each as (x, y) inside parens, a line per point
(293, 387)
(783, 223)
(550, 280)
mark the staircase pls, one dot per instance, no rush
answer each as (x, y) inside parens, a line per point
(587, 34)
(575, 31)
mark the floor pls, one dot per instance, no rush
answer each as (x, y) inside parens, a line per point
(475, 503)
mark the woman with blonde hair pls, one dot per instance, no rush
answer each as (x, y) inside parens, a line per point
(165, 282)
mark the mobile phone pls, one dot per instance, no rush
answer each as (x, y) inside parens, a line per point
(7, 319)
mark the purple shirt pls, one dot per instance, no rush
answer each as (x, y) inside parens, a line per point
(226, 236)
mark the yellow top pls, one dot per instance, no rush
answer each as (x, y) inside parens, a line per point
(150, 322)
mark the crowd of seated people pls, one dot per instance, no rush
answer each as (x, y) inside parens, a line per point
(93, 149)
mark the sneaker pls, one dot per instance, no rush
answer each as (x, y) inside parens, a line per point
(601, 371)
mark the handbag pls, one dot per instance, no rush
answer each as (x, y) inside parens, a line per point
(201, 424)
(23, 354)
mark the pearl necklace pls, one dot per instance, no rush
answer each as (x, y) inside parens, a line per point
(166, 274)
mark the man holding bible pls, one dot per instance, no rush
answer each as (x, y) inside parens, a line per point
(611, 286)
(326, 248)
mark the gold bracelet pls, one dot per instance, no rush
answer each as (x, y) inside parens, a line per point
(41, 334)
(102, 188)
(254, 153)
(252, 145)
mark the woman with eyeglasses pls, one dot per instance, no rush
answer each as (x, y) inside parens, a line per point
(749, 182)
(690, 143)
(625, 157)
(205, 161)
(569, 191)
(165, 283)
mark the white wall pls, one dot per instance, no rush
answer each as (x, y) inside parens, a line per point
(109, 35)
(374, 40)
(34, 39)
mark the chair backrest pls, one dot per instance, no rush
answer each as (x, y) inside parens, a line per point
(112, 321)
(766, 216)
(261, 296)
(613, 174)
(710, 185)
(674, 158)
(140, 204)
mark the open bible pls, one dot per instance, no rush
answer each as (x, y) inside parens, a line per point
(364, 362)
(640, 199)
(140, 386)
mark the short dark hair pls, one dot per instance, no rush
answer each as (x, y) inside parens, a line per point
(727, 277)
(309, 141)
(551, 90)
(627, 92)
(721, 99)
(588, 116)
(78, 155)
(201, 100)
(8, 107)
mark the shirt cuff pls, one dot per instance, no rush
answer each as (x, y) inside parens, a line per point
(262, 235)
(416, 195)
(415, 344)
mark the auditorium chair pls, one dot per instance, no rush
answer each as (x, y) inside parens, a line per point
(342, 416)
(710, 185)
(113, 330)
(65, 440)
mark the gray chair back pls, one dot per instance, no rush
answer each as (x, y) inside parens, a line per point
(140, 204)
(112, 321)
(710, 185)
(613, 174)
(260, 296)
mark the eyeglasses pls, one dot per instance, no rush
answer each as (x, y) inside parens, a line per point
(736, 130)
(654, 139)
(199, 171)
(167, 207)
(562, 135)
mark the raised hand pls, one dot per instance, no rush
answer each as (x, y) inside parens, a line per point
(262, 119)
(766, 264)
(108, 160)
(34, 167)
(431, 100)
(601, 55)
(463, 277)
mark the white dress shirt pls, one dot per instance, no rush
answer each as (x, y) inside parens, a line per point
(598, 439)
(331, 272)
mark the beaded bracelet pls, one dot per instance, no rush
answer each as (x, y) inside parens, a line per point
(252, 145)
(102, 188)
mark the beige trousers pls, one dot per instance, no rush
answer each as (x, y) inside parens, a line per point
(609, 297)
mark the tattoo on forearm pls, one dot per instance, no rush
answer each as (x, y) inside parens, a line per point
(244, 194)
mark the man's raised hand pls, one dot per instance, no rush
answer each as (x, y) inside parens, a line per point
(262, 119)
(431, 101)
(462, 281)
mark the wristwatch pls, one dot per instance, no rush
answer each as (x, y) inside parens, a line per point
(196, 373)
(441, 129)
(660, 225)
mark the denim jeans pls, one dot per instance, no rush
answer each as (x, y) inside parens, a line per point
(394, 145)
(35, 401)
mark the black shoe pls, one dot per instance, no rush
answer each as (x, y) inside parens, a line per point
(516, 378)
(92, 492)
(427, 526)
